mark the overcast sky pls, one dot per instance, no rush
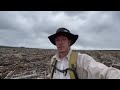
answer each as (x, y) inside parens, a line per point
(96, 29)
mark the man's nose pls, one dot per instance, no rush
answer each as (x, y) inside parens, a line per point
(60, 42)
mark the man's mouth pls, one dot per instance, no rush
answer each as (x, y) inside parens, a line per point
(60, 47)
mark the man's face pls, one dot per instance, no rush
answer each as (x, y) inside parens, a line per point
(62, 43)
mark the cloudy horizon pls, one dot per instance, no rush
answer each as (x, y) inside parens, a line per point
(96, 29)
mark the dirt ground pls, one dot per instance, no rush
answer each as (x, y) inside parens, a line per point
(33, 63)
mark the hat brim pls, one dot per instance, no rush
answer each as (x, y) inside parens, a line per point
(72, 36)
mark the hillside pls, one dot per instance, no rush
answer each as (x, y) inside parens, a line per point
(33, 63)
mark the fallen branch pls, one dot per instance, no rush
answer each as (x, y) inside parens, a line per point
(116, 66)
(26, 76)
(9, 75)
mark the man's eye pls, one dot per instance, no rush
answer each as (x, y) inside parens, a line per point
(56, 40)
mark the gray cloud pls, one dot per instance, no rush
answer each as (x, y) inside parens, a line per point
(96, 29)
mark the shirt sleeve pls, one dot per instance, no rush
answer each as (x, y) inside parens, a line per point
(97, 70)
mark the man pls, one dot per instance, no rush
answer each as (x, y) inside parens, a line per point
(86, 66)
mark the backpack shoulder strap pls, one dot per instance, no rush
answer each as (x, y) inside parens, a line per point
(52, 69)
(73, 64)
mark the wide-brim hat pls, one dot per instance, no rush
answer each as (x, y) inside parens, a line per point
(63, 32)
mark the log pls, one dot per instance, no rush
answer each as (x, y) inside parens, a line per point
(26, 76)
(9, 75)
(116, 65)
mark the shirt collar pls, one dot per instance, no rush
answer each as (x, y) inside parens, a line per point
(67, 56)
